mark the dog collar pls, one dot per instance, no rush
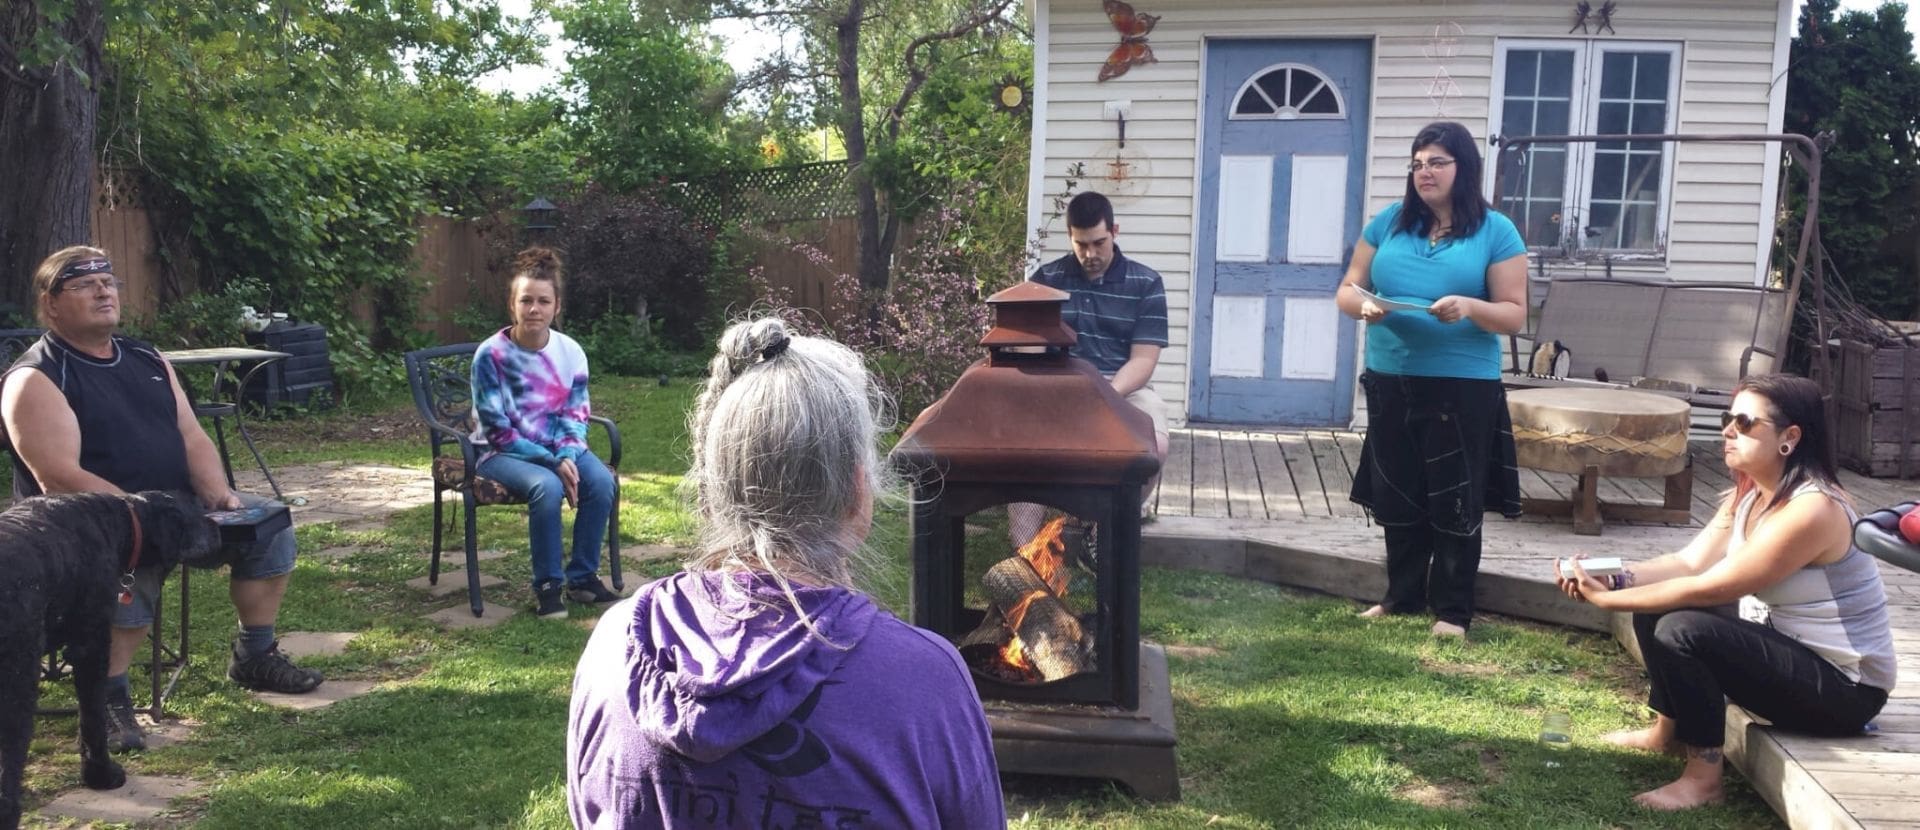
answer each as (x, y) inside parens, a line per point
(133, 559)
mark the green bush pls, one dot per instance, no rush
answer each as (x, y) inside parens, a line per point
(619, 344)
(203, 320)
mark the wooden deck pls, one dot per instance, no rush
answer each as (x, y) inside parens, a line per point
(1271, 504)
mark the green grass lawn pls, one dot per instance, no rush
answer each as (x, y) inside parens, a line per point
(1290, 711)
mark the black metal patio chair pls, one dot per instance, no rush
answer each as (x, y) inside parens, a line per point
(441, 380)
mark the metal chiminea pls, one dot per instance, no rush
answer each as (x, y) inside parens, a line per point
(1051, 630)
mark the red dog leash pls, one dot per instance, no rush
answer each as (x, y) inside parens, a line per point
(133, 560)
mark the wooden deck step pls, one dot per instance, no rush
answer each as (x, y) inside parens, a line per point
(1272, 504)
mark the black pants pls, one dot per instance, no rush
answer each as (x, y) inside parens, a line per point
(1698, 659)
(1430, 569)
(1438, 455)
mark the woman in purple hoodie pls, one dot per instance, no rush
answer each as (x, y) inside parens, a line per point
(758, 688)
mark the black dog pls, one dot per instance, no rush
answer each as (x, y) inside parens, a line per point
(62, 561)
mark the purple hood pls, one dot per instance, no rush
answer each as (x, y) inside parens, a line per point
(712, 667)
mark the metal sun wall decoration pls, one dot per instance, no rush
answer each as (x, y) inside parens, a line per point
(1133, 49)
(1602, 19)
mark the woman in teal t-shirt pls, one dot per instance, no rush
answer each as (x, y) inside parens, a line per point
(1439, 447)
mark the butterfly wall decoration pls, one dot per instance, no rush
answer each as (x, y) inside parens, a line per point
(1133, 49)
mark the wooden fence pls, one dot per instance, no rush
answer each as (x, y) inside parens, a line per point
(451, 255)
(122, 228)
(807, 284)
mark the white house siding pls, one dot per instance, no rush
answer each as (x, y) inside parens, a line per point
(1720, 191)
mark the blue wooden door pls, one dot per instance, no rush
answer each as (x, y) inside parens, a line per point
(1283, 163)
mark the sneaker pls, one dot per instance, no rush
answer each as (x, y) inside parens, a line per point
(123, 732)
(591, 592)
(271, 671)
(548, 605)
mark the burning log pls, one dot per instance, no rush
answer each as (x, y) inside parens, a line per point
(992, 631)
(1046, 634)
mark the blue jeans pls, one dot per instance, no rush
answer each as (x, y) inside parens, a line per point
(545, 494)
(263, 559)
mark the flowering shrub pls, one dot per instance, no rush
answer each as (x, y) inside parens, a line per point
(920, 333)
(634, 256)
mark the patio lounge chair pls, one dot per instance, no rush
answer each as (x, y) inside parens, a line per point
(1690, 340)
(440, 378)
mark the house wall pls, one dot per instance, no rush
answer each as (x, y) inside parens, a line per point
(1732, 52)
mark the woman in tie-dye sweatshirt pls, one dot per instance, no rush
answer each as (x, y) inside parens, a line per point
(530, 410)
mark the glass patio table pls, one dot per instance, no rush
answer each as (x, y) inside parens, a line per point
(224, 359)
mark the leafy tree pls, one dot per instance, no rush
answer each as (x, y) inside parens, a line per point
(49, 103)
(1855, 74)
(861, 66)
(648, 96)
(83, 79)
(963, 152)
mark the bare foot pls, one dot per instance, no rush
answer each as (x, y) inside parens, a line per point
(1447, 629)
(1684, 793)
(1374, 612)
(1645, 740)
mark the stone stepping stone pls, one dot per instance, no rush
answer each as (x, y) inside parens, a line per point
(458, 558)
(144, 798)
(649, 553)
(1191, 652)
(460, 616)
(452, 582)
(167, 732)
(329, 693)
(315, 643)
(333, 553)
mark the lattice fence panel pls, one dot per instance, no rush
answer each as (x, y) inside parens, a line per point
(820, 190)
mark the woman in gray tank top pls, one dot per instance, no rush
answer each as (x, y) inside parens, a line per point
(1811, 650)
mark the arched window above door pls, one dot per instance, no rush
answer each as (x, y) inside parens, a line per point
(1285, 92)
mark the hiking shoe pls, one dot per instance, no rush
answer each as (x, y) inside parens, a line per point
(547, 602)
(271, 671)
(591, 592)
(123, 732)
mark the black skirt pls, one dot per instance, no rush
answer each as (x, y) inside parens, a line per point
(1438, 451)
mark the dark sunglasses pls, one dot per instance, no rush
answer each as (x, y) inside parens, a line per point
(1742, 422)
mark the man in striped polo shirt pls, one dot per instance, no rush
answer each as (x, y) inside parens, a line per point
(1118, 310)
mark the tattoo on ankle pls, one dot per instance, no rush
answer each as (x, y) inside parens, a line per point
(1626, 577)
(1708, 754)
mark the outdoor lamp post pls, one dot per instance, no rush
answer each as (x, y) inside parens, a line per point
(539, 215)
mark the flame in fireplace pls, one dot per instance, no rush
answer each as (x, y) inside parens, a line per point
(1015, 652)
(1047, 556)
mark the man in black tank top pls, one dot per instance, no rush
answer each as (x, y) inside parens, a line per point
(87, 410)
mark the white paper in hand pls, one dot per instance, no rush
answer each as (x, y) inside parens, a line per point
(1386, 304)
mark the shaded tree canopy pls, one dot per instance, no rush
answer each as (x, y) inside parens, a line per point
(860, 67)
(1855, 74)
(647, 96)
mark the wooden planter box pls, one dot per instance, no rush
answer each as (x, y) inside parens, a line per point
(1876, 404)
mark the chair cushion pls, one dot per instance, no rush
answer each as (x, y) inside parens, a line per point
(450, 473)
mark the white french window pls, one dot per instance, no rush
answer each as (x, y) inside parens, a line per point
(1608, 197)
